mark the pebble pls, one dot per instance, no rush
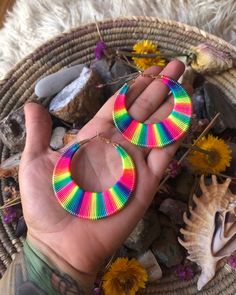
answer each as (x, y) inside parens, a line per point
(149, 262)
(12, 130)
(57, 138)
(166, 248)
(54, 83)
(174, 209)
(145, 232)
(217, 102)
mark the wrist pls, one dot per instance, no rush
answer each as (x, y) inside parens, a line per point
(58, 262)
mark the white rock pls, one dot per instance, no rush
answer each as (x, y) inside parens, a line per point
(55, 82)
(70, 91)
(57, 138)
(149, 262)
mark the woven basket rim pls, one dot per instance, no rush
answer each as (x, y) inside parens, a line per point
(94, 25)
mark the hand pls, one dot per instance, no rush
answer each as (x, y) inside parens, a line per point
(84, 244)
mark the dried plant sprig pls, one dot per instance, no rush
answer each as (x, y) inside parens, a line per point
(146, 55)
(10, 203)
(205, 131)
(127, 78)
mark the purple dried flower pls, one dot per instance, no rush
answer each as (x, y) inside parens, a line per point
(232, 261)
(96, 291)
(174, 168)
(99, 49)
(9, 214)
(184, 272)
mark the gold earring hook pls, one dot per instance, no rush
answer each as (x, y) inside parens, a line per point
(152, 76)
(107, 140)
(100, 137)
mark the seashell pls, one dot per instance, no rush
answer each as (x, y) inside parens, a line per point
(209, 234)
(209, 59)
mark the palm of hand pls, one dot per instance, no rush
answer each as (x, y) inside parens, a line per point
(84, 243)
(47, 220)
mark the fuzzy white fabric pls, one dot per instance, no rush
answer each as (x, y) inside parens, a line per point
(32, 22)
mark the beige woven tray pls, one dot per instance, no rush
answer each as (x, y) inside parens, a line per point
(78, 46)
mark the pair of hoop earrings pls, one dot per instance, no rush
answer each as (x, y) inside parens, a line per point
(96, 205)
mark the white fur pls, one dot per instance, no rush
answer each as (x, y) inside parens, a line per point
(32, 22)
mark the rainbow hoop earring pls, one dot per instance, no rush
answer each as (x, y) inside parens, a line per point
(92, 205)
(159, 134)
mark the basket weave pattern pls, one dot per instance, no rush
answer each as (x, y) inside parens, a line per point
(77, 46)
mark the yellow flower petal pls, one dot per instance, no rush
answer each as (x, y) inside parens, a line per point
(214, 163)
(124, 277)
(145, 47)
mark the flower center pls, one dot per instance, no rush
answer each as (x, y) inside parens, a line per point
(126, 284)
(213, 158)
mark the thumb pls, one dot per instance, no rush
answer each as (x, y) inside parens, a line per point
(38, 128)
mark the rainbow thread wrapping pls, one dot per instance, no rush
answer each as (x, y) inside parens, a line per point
(159, 134)
(92, 205)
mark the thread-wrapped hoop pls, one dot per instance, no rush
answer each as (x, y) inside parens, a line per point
(86, 204)
(159, 134)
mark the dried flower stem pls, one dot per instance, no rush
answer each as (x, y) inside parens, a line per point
(142, 55)
(197, 149)
(127, 62)
(125, 77)
(12, 202)
(205, 131)
(226, 176)
(98, 30)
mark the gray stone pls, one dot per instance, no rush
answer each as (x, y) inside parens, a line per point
(146, 231)
(166, 248)
(174, 209)
(183, 184)
(109, 71)
(57, 138)
(218, 102)
(199, 105)
(12, 130)
(55, 82)
(149, 262)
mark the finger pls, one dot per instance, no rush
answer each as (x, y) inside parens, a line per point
(135, 90)
(165, 109)
(159, 158)
(38, 128)
(153, 95)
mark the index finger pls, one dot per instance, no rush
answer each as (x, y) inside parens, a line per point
(135, 90)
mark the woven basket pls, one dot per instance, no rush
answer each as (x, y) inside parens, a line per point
(78, 46)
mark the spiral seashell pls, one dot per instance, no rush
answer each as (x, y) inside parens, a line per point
(208, 235)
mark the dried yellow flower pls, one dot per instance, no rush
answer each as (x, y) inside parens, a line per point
(216, 158)
(147, 47)
(124, 277)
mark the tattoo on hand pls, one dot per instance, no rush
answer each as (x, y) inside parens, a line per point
(64, 284)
